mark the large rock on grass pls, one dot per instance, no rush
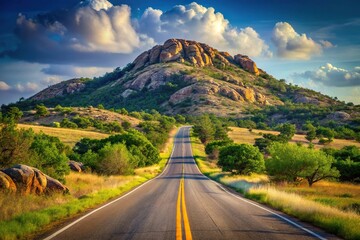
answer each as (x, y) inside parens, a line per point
(28, 180)
(6, 183)
(76, 166)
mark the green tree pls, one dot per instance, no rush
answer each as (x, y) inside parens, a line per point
(100, 106)
(294, 163)
(241, 159)
(14, 145)
(287, 131)
(311, 131)
(12, 114)
(50, 156)
(41, 110)
(204, 129)
(328, 133)
(213, 147)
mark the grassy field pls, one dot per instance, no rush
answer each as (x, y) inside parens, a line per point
(66, 135)
(243, 135)
(329, 205)
(31, 214)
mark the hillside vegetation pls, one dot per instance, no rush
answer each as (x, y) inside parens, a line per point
(243, 135)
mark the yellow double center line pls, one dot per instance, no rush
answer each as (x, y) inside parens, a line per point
(181, 205)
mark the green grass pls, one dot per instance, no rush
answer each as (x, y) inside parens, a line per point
(87, 191)
(321, 205)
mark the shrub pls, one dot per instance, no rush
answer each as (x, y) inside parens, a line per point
(241, 159)
(66, 123)
(115, 159)
(41, 110)
(126, 125)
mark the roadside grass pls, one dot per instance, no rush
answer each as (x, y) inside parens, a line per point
(243, 135)
(66, 135)
(342, 223)
(325, 205)
(27, 215)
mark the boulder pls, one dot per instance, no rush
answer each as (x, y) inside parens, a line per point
(339, 116)
(171, 51)
(231, 93)
(127, 93)
(155, 54)
(27, 179)
(54, 185)
(6, 183)
(246, 63)
(248, 94)
(141, 60)
(76, 166)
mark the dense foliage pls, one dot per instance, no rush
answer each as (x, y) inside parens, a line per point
(293, 163)
(209, 127)
(347, 162)
(142, 152)
(37, 150)
(241, 159)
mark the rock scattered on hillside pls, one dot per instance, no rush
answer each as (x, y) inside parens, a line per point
(76, 166)
(28, 180)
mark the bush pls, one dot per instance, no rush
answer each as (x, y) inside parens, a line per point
(66, 123)
(81, 122)
(115, 159)
(241, 159)
(126, 125)
(41, 110)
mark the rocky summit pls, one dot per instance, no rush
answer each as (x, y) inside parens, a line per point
(198, 54)
(184, 77)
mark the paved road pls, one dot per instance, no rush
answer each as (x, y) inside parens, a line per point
(183, 204)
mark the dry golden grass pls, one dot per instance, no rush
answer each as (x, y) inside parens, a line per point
(343, 196)
(66, 135)
(344, 224)
(243, 135)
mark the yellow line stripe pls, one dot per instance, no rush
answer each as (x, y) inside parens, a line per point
(178, 216)
(185, 216)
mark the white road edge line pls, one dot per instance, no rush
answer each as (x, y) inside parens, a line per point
(256, 205)
(121, 197)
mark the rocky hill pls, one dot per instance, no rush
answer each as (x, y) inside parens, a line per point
(185, 77)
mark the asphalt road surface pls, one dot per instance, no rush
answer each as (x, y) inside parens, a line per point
(181, 203)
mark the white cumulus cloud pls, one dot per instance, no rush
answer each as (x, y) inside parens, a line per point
(333, 76)
(196, 22)
(4, 86)
(293, 45)
(27, 87)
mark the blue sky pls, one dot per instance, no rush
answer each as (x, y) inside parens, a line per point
(315, 44)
